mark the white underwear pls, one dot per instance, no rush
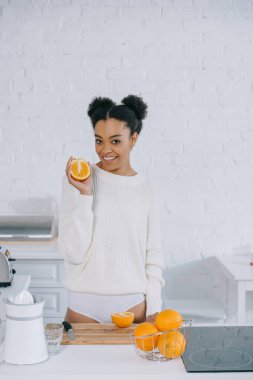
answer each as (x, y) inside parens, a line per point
(100, 307)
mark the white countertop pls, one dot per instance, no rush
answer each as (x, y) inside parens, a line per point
(108, 362)
(33, 250)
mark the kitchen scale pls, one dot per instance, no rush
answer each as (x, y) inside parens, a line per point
(219, 349)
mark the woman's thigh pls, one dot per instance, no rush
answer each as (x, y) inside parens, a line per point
(74, 317)
(139, 312)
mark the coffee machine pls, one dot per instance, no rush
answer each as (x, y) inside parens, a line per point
(6, 269)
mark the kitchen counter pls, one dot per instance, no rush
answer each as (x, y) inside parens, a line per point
(107, 362)
(33, 250)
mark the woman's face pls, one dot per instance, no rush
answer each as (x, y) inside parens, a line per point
(114, 144)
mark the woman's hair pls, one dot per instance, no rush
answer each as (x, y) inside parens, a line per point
(132, 111)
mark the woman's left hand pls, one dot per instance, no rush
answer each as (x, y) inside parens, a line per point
(151, 318)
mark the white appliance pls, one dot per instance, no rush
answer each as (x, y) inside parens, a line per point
(24, 341)
(27, 228)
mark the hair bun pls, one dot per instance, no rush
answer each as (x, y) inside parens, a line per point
(99, 102)
(136, 104)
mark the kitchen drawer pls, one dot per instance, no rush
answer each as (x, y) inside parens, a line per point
(55, 301)
(44, 273)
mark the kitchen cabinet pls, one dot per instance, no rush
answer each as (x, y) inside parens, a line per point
(47, 281)
(44, 264)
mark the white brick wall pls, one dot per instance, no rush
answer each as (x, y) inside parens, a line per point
(191, 60)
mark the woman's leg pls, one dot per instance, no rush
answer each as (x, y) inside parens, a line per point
(74, 317)
(139, 312)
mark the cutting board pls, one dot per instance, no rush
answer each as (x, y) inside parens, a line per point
(99, 333)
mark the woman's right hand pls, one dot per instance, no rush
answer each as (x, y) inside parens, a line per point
(85, 187)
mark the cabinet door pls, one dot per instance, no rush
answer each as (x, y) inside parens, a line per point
(46, 281)
(55, 301)
(44, 273)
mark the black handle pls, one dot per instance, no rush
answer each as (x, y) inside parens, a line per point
(67, 326)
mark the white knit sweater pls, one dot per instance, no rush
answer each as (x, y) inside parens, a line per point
(111, 240)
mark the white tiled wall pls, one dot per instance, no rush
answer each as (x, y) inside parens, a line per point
(191, 60)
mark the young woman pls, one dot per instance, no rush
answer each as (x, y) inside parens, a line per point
(109, 234)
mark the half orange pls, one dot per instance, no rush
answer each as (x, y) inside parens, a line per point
(80, 169)
(123, 319)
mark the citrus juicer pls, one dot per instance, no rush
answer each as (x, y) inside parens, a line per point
(24, 341)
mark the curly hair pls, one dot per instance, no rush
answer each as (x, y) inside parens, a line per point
(132, 111)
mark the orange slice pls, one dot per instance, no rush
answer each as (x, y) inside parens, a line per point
(123, 319)
(80, 169)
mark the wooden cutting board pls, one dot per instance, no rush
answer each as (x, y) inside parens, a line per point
(99, 333)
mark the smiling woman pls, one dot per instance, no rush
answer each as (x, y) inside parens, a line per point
(109, 233)
(116, 131)
(114, 149)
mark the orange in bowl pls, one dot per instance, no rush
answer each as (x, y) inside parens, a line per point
(171, 344)
(145, 336)
(123, 319)
(80, 169)
(168, 319)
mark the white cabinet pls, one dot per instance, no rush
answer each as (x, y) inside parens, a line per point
(47, 281)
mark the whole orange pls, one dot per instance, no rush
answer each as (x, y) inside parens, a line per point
(168, 319)
(144, 336)
(171, 344)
